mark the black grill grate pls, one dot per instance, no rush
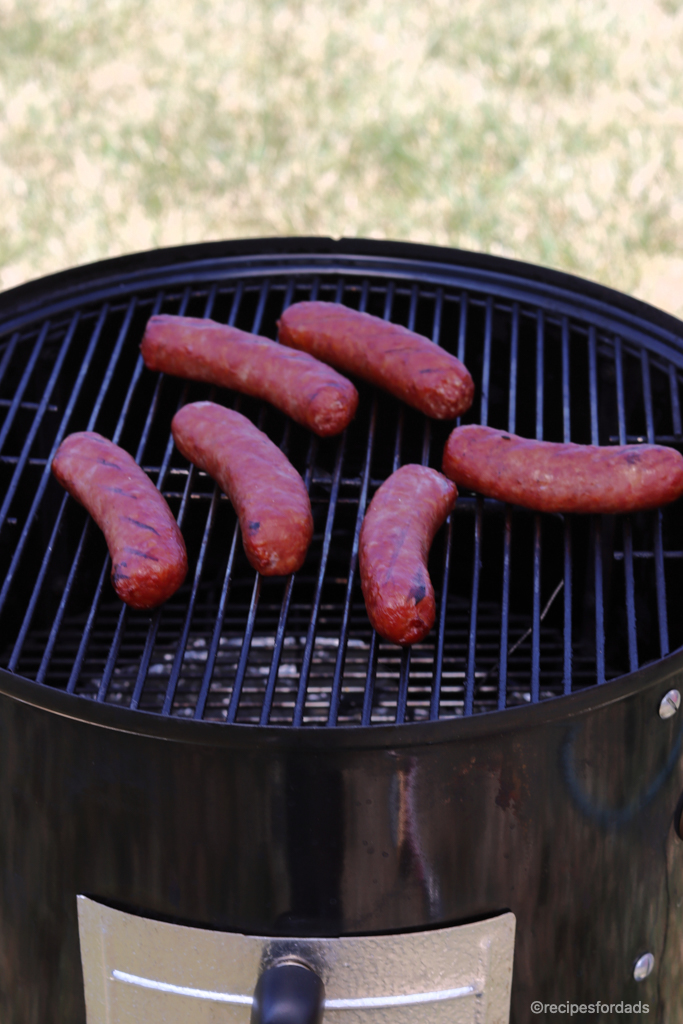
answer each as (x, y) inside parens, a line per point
(530, 606)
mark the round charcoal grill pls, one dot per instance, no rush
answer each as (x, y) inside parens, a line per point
(252, 757)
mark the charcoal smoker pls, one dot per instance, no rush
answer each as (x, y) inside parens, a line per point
(248, 802)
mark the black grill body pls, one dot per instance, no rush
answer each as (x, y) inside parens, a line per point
(251, 757)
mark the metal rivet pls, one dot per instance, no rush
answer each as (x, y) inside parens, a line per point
(670, 704)
(644, 966)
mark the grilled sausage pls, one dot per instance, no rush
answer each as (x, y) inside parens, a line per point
(313, 394)
(409, 366)
(149, 561)
(266, 491)
(395, 539)
(551, 477)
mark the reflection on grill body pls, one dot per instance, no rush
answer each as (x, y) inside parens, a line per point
(233, 647)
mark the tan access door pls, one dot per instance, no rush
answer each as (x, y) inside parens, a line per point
(137, 970)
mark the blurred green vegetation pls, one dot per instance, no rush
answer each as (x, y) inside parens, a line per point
(545, 131)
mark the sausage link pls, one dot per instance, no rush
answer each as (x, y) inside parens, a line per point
(395, 539)
(312, 393)
(267, 493)
(408, 365)
(551, 477)
(149, 561)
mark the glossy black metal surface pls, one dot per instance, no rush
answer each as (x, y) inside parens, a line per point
(562, 813)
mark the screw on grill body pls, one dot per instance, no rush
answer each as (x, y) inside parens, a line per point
(644, 965)
(670, 704)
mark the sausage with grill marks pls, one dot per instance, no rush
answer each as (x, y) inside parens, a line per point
(406, 364)
(551, 477)
(149, 561)
(395, 539)
(268, 494)
(313, 394)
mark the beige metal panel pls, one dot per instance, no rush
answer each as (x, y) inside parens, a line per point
(135, 970)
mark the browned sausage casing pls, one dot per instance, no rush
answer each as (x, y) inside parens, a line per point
(395, 539)
(149, 561)
(551, 477)
(267, 493)
(310, 392)
(406, 364)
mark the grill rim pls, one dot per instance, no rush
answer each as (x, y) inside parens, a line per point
(657, 676)
(552, 289)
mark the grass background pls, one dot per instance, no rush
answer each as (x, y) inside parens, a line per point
(542, 130)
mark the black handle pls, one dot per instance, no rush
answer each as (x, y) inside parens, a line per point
(288, 993)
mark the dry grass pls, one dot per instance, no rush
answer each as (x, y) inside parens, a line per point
(546, 131)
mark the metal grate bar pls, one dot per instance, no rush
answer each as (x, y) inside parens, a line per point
(658, 544)
(486, 368)
(23, 383)
(462, 333)
(597, 524)
(269, 694)
(45, 477)
(217, 629)
(505, 613)
(404, 678)
(536, 611)
(566, 428)
(182, 641)
(244, 652)
(438, 659)
(514, 347)
(373, 653)
(113, 653)
(479, 522)
(472, 641)
(353, 564)
(313, 623)
(675, 402)
(369, 693)
(507, 543)
(279, 638)
(253, 607)
(263, 296)
(85, 639)
(540, 353)
(626, 520)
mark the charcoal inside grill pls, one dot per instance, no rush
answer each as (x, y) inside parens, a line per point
(529, 606)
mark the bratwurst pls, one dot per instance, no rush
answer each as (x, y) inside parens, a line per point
(148, 556)
(408, 365)
(267, 493)
(395, 539)
(312, 393)
(551, 477)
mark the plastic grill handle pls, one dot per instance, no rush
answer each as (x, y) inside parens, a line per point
(288, 994)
